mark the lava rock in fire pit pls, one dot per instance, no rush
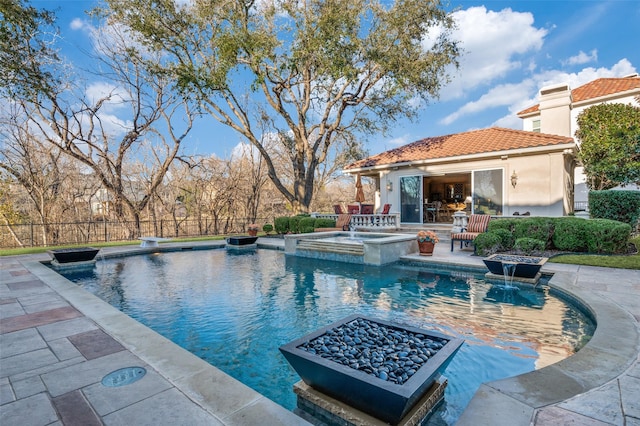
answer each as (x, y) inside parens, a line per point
(378, 367)
(387, 353)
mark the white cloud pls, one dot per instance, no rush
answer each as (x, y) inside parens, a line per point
(501, 95)
(400, 140)
(582, 58)
(77, 24)
(492, 42)
(101, 90)
(522, 95)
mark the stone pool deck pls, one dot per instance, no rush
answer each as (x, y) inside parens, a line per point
(58, 341)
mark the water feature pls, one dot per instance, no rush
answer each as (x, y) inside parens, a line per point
(509, 269)
(234, 309)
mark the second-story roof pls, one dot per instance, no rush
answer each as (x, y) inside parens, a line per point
(596, 89)
(475, 142)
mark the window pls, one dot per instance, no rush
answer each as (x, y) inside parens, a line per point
(487, 192)
(535, 126)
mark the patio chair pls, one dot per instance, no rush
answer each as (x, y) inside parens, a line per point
(337, 208)
(353, 209)
(477, 224)
(343, 222)
(385, 209)
(367, 209)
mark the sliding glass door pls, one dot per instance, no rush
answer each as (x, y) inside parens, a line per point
(488, 192)
(411, 199)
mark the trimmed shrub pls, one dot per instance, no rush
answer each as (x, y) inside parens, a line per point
(539, 228)
(570, 234)
(508, 224)
(294, 224)
(487, 243)
(623, 206)
(282, 224)
(324, 223)
(607, 236)
(267, 227)
(306, 224)
(529, 245)
(506, 238)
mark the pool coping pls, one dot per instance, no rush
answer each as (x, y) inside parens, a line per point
(611, 352)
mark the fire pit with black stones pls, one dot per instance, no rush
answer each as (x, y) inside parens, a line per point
(525, 266)
(377, 367)
(77, 254)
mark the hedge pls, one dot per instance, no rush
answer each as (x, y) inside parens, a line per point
(307, 224)
(561, 233)
(281, 224)
(623, 206)
(324, 223)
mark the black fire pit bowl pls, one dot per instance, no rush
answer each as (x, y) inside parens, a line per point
(386, 400)
(526, 266)
(241, 240)
(78, 254)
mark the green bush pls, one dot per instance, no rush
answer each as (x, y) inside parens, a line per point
(607, 236)
(282, 224)
(570, 234)
(306, 223)
(623, 206)
(508, 224)
(487, 244)
(324, 223)
(539, 228)
(294, 224)
(506, 238)
(529, 245)
(267, 227)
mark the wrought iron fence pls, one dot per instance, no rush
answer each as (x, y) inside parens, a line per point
(68, 233)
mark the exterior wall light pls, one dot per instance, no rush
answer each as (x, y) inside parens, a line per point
(389, 186)
(514, 179)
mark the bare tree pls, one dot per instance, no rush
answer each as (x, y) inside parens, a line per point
(88, 128)
(318, 71)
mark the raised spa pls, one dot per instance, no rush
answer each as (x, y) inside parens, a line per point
(353, 247)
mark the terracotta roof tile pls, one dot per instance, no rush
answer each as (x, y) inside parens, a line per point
(596, 89)
(466, 143)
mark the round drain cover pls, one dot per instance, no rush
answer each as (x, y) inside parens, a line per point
(123, 377)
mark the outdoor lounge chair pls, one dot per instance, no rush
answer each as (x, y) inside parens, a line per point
(337, 208)
(353, 209)
(385, 209)
(367, 209)
(343, 222)
(477, 225)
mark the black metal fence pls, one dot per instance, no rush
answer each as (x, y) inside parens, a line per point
(67, 233)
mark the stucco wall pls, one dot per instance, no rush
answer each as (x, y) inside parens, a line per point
(541, 189)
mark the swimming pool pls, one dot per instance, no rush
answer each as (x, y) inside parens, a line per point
(234, 309)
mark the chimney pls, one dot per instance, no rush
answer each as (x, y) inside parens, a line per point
(555, 110)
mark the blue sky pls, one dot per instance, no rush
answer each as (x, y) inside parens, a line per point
(510, 50)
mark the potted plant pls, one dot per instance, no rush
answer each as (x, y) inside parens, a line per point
(252, 229)
(426, 242)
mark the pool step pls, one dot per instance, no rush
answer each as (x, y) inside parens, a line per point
(331, 247)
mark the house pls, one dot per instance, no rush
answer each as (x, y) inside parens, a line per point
(493, 171)
(560, 106)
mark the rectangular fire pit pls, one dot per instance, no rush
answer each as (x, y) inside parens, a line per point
(378, 367)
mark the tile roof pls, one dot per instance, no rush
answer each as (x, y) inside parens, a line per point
(596, 89)
(466, 143)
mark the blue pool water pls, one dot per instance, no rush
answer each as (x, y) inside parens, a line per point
(234, 309)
